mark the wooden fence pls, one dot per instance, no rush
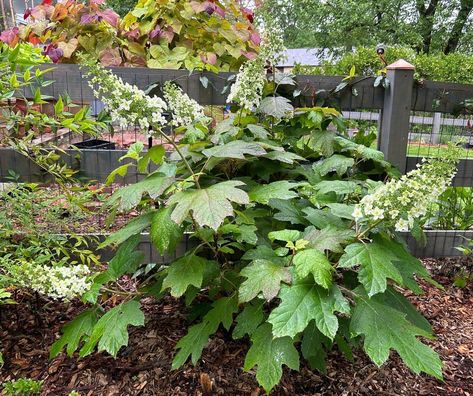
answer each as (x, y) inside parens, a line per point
(393, 109)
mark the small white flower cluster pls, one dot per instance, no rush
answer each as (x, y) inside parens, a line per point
(185, 111)
(56, 282)
(128, 105)
(248, 87)
(272, 49)
(401, 202)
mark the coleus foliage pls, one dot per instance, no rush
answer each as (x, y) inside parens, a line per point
(204, 35)
(277, 257)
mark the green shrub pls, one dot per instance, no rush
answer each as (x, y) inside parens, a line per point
(455, 67)
(22, 387)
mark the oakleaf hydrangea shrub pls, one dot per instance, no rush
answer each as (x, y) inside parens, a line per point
(291, 251)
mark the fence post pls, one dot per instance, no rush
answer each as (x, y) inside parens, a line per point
(395, 116)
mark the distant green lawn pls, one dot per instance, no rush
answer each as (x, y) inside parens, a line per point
(414, 150)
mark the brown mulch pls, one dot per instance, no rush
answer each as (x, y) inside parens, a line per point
(143, 368)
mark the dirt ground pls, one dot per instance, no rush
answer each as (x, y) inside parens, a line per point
(143, 368)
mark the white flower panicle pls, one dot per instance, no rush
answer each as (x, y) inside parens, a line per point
(128, 105)
(56, 282)
(272, 49)
(185, 111)
(401, 202)
(248, 87)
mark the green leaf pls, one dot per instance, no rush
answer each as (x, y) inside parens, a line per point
(312, 347)
(186, 271)
(302, 302)
(263, 276)
(283, 156)
(329, 238)
(133, 227)
(288, 211)
(154, 154)
(120, 171)
(336, 163)
(126, 259)
(165, 233)
(312, 261)
(384, 327)
(342, 210)
(322, 142)
(339, 187)
(258, 131)
(111, 330)
(376, 265)
(209, 206)
(193, 343)
(74, 332)
(269, 355)
(235, 149)
(276, 106)
(285, 235)
(248, 320)
(130, 196)
(280, 189)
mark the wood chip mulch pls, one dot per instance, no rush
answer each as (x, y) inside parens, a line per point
(143, 368)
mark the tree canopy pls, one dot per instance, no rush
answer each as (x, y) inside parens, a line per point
(427, 26)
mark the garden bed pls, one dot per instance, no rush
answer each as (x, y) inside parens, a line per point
(143, 368)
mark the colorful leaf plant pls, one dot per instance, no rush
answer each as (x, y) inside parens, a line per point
(174, 34)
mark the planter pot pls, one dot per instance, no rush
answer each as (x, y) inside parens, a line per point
(96, 144)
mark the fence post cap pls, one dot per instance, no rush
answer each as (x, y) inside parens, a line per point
(401, 64)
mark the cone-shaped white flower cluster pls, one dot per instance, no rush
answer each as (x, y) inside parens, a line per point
(401, 202)
(185, 111)
(56, 282)
(128, 105)
(247, 90)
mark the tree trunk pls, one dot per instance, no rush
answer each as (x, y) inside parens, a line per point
(426, 23)
(457, 30)
(4, 15)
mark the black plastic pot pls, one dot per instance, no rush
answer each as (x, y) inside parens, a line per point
(95, 144)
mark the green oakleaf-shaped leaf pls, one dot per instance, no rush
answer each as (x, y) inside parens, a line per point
(322, 142)
(187, 271)
(111, 330)
(258, 131)
(269, 354)
(263, 276)
(209, 206)
(339, 187)
(288, 211)
(248, 320)
(285, 235)
(302, 302)
(276, 106)
(74, 332)
(376, 265)
(336, 163)
(130, 196)
(385, 328)
(165, 233)
(154, 154)
(313, 261)
(193, 343)
(312, 347)
(329, 238)
(235, 149)
(283, 156)
(133, 227)
(280, 189)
